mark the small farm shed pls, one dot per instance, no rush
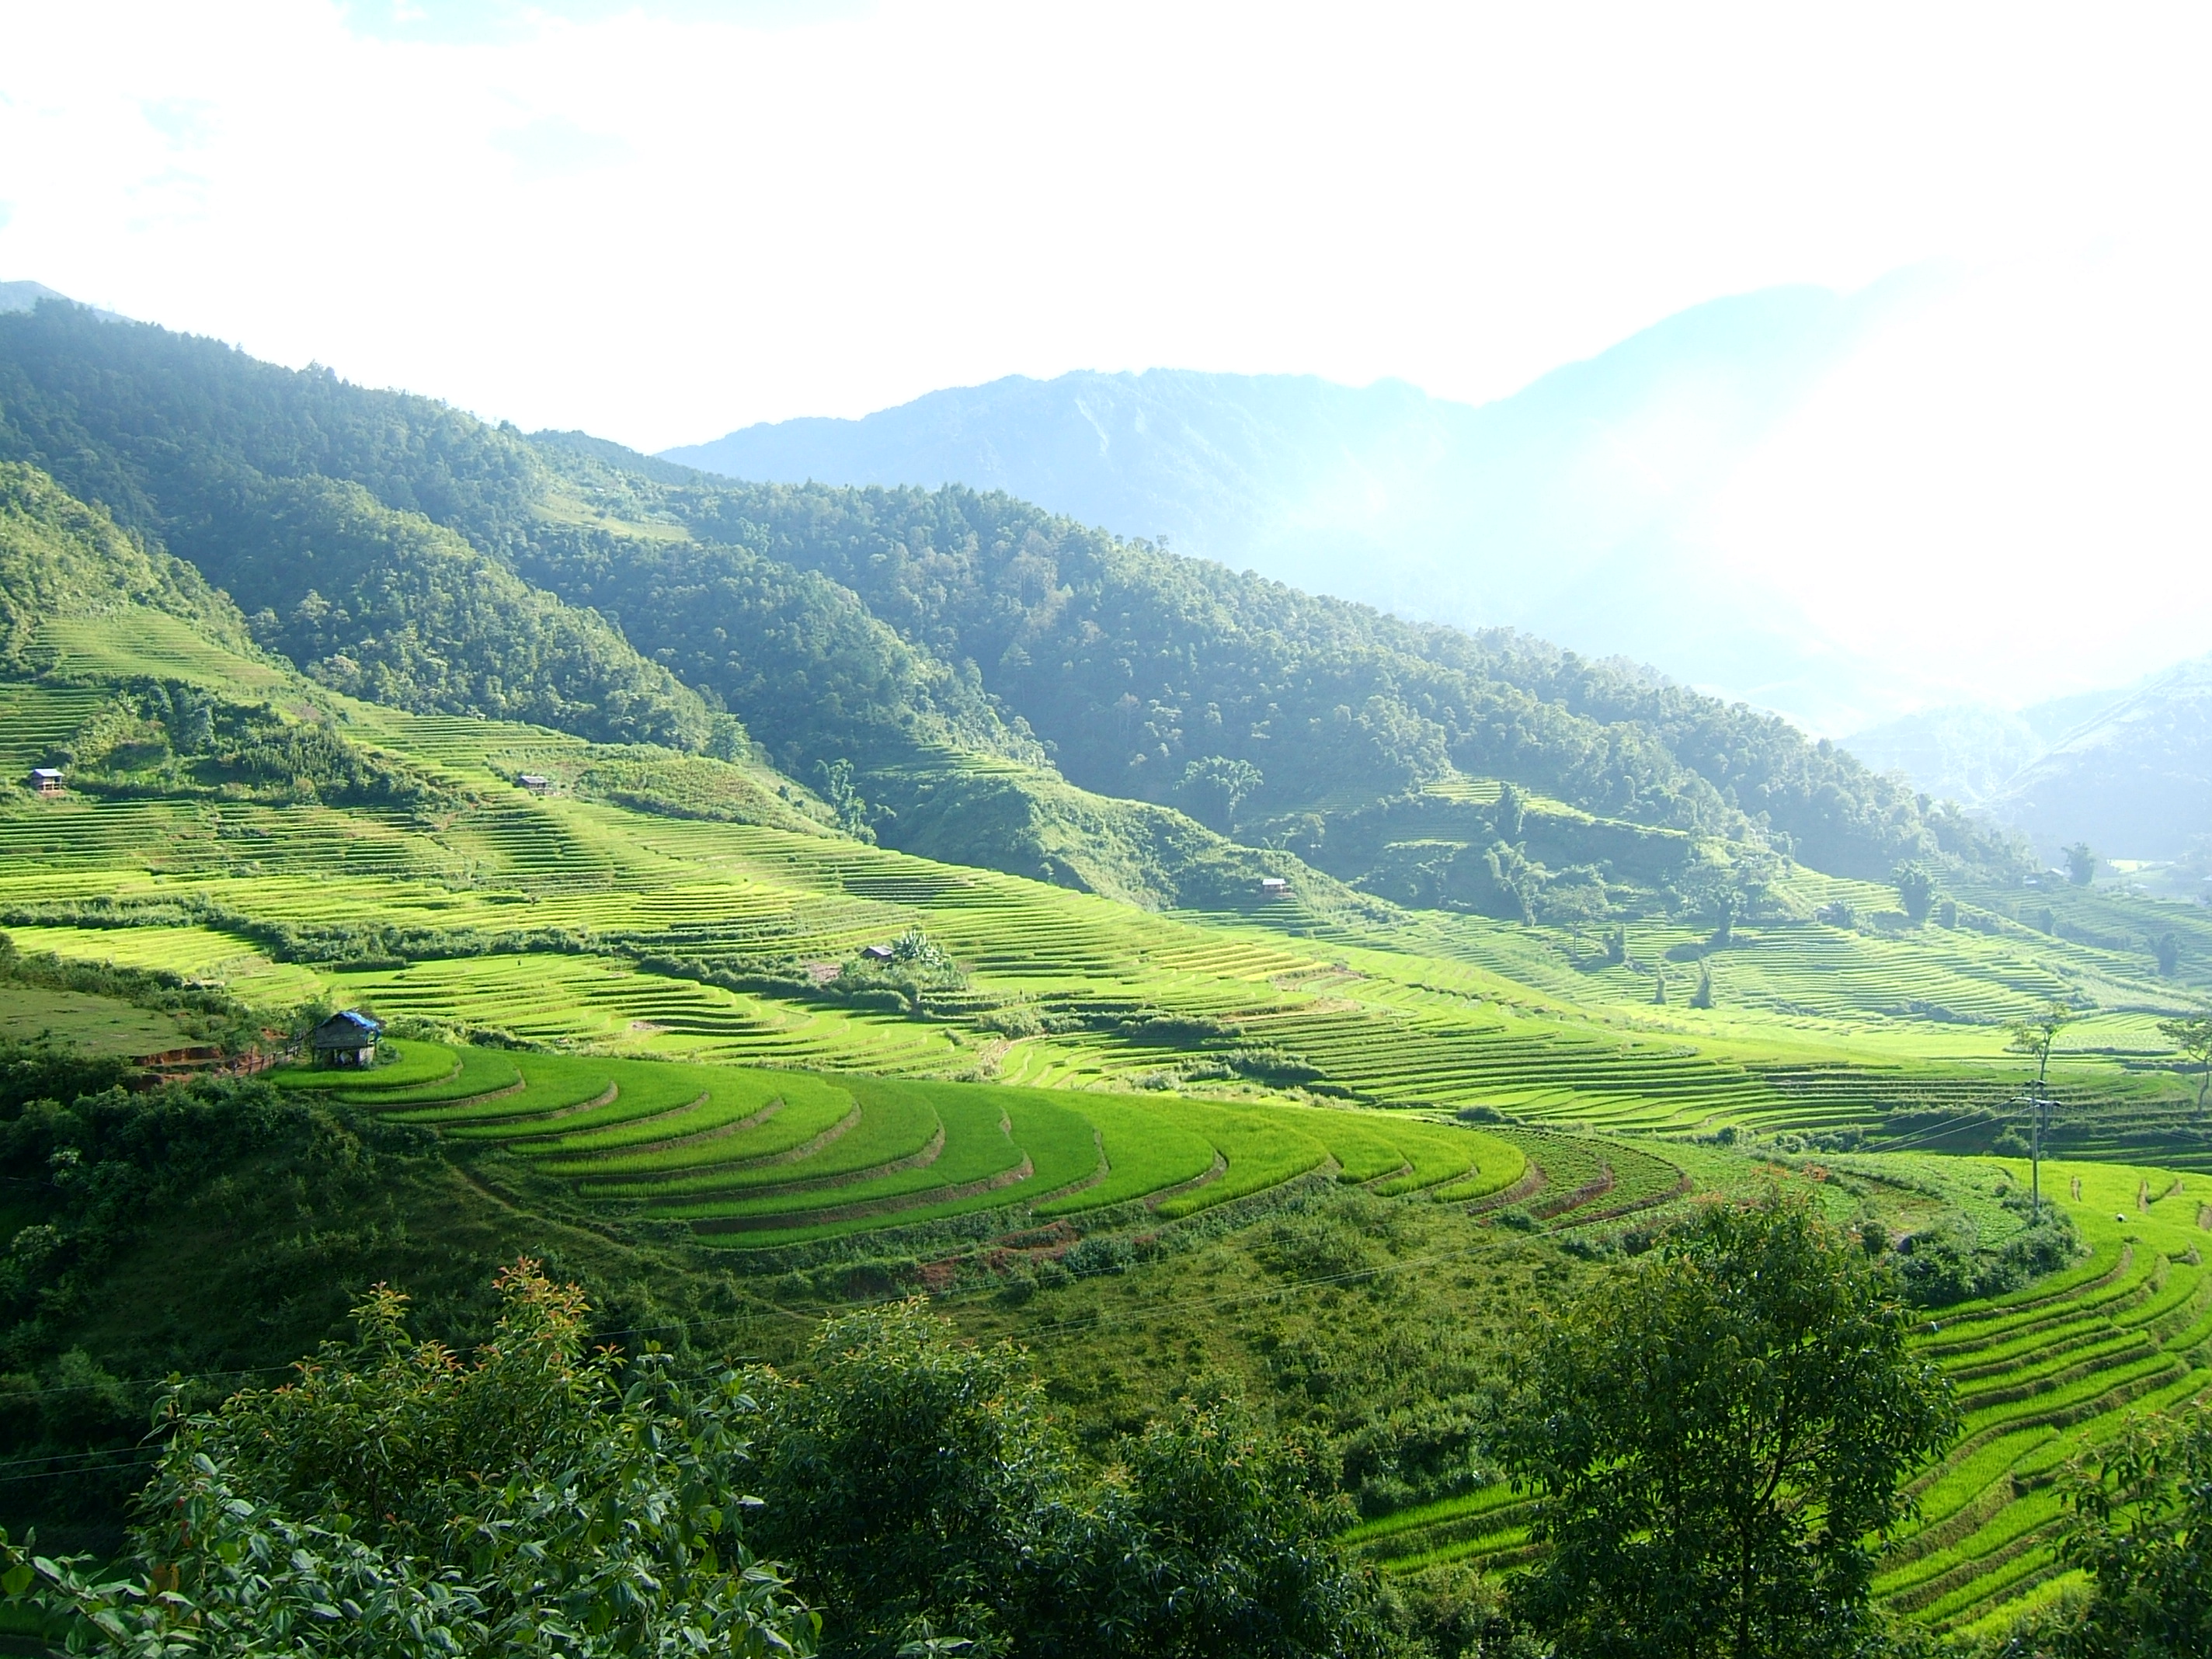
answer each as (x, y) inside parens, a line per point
(346, 1039)
(876, 952)
(1274, 887)
(536, 782)
(46, 780)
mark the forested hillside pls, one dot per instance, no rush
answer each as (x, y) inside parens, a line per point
(1246, 702)
(329, 515)
(60, 560)
(919, 655)
(1580, 507)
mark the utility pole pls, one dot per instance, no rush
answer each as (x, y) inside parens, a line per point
(2041, 1106)
(2036, 1037)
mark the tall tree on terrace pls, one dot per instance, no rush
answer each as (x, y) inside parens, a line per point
(1916, 890)
(1717, 1441)
(2193, 1036)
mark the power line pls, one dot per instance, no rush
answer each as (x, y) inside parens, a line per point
(1935, 1133)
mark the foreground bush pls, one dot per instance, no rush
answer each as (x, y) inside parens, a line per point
(395, 1501)
(920, 1494)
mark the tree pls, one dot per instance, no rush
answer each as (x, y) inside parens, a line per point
(2141, 1528)
(2167, 949)
(1702, 996)
(1213, 788)
(1217, 1542)
(1512, 813)
(2193, 1036)
(2081, 864)
(394, 1502)
(1519, 876)
(1718, 1442)
(1724, 892)
(1916, 890)
(916, 949)
(923, 1495)
(854, 816)
(2035, 1037)
(908, 1480)
(1575, 905)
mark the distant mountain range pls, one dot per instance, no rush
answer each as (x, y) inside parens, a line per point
(964, 675)
(2129, 771)
(21, 296)
(1573, 509)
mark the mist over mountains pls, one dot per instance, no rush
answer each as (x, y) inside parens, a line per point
(1575, 509)
(23, 296)
(2128, 770)
(1600, 508)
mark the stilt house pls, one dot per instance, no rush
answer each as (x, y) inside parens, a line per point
(346, 1039)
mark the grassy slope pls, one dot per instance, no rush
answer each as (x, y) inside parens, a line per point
(96, 1025)
(66, 568)
(1816, 1028)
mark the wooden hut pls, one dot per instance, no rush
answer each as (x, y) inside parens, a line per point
(46, 780)
(346, 1039)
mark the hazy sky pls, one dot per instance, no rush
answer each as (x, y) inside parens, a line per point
(661, 220)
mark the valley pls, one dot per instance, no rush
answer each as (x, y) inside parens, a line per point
(784, 901)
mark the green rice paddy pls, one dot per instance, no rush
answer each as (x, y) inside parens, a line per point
(1028, 1095)
(760, 1157)
(2042, 1375)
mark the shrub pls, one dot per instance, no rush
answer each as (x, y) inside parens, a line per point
(926, 1499)
(395, 1501)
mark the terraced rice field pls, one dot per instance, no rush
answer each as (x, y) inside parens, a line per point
(2043, 1374)
(756, 1156)
(143, 642)
(1819, 1029)
(36, 721)
(761, 1122)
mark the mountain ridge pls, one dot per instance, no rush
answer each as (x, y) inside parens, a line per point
(2127, 770)
(1568, 510)
(402, 551)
